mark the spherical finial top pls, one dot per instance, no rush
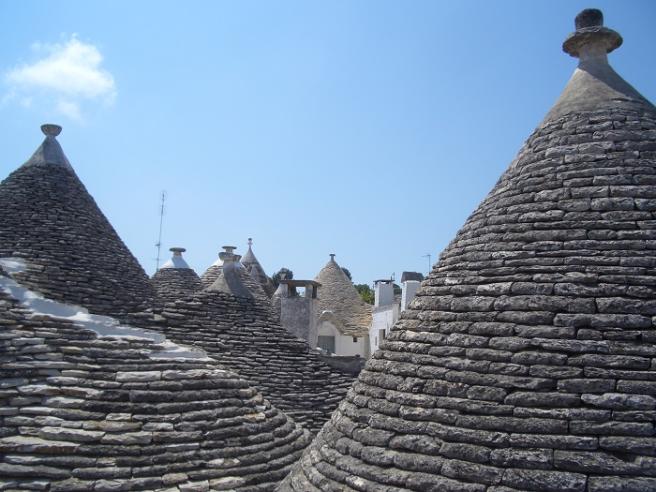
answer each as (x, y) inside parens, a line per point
(589, 18)
(228, 256)
(177, 251)
(591, 40)
(51, 130)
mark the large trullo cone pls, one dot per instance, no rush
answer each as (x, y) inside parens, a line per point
(527, 360)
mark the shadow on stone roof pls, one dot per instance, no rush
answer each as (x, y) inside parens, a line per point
(48, 217)
(127, 412)
(526, 362)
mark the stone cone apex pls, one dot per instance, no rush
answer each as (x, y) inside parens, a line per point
(49, 152)
(232, 278)
(338, 296)
(244, 335)
(257, 272)
(527, 360)
(594, 82)
(176, 260)
(48, 218)
(212, 273)
(175, 278)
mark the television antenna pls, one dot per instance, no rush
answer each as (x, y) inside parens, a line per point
(158, 245)
(428, 255)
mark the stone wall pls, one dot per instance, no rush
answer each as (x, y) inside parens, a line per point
(173, 283)
(527, 361)
(48, 217)
(83, 413)
(298, 317)
(245, 337)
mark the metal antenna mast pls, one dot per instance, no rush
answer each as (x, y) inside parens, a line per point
(159, 237)
(428, 255)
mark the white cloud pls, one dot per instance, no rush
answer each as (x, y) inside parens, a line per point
(70, 109)
(65, 77)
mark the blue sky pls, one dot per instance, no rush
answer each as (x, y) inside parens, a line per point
(369, 129)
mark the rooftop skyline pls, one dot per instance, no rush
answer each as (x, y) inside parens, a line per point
(370, 129)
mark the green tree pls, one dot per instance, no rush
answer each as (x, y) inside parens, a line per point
(348, 274)
(366, 293)
(282, 273)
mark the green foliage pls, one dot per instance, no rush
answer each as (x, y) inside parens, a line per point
(348, 274)
(286, 272)
(365, 292)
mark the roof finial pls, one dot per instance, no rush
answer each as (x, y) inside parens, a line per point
(50, 130)
(332, 256)
(589, 18)
(177, 251)
(591, 39)
(250, 242)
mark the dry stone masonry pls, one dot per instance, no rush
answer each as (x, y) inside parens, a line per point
(234, 279)
(48, 217)
(212, 273)
(81, 412)
(256, 271)
(175, 279)
(527, 361)
(90, 403)
(338, 296)
(240, 330)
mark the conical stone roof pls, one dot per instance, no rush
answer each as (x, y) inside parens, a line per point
(527, 360)
(89, 404)
(233, 321)
(175, 278)
(74, 254)
(257, 272)
(338, 296)
(212, 273)
(233, 278)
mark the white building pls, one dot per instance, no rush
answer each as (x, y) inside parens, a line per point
(388, 307)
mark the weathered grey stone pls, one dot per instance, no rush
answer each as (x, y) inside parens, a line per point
(143, 376)
(543, 480)
(620, 401)
(621, 484)
(522, 458)
(541, 312)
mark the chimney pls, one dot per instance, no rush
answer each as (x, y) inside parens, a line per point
(50, 130)
(176, 261)
(298, 313)
(228, 253)
(383, 292)
(591, 41)
(408, 290)
(230, 280)
(410, 283)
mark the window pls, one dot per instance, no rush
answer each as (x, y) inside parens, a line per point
(355, 339)
(382, 334)
(326, 343)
